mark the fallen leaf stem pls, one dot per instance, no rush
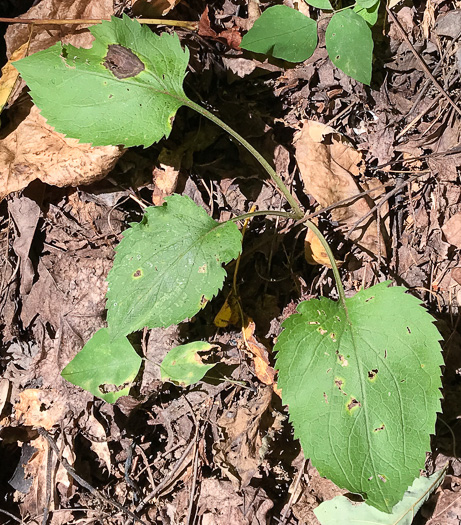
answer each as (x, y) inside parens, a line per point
(267, 167)
(92, 21)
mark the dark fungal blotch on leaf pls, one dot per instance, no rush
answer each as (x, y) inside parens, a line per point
(122, 62)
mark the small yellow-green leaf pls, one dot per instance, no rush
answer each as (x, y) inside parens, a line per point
(183, 364)
(104, 367)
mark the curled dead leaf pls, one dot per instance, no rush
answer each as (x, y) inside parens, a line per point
(10, 75)
(30, 149)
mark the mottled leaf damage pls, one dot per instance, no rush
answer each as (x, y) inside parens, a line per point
(122, 62)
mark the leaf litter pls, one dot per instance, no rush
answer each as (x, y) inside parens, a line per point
(223, 450)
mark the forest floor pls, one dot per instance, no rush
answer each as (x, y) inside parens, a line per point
(221, 451)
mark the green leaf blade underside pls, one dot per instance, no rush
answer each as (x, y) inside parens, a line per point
(363, 395)
(104, 362)
(320, 4)
(342, 509)
(283, 33)
(82, 98)
(349, 43)
(168, 266)
(184, 365)
(370, 15)
(367, 3)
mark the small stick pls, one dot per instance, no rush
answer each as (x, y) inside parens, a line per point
(423, 63)
(193, 26)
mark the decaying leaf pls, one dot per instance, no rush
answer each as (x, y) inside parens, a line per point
(10, 75)
(314, 252)
(264, 371)
(39, 408)
(153, 8)
(30, 149)
(230, 312)
(452, 230)
(329, 168)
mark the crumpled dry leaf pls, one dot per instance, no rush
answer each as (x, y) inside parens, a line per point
(39, 408)
(45, 36)
(30, 149)
(314, 252)
(25, 213)
(452, 230)
(238, 455)
(153, 8)
(36, 469)
(264, 371)
(329, 167)
(220, 505)
(10, 75)
(99, 445)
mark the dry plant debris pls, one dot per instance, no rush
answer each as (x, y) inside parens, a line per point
(222, 451)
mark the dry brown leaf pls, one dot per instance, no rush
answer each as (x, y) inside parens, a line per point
(329, 167)
(30, 149)
(452, 230)
(153, 8)
(10, 75)
(264, 371)
(315, 253)
(45, 36)
(99, 445)
(39, 408)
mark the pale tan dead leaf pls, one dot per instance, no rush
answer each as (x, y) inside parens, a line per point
(39, 408)
(99, 445)
(30, 149)
(153, 8)
(329, 167)
(452, 230)
(4, 393)
(10, 75)
(44, 37)
(264, 371)
(314, 252)
(37, 469)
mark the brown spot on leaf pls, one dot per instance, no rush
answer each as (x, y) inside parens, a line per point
(378, 429)
(122, 62)
(137, 273)
(353, 403)
(372, 374)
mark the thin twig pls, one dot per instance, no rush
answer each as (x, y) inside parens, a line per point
(70, 470)
(422, 62)
(193, 26)
(283, 517)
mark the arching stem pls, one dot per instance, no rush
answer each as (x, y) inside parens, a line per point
(268, 168)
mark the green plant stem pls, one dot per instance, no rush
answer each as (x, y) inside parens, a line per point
(268, 168)
(259, 213)
(318, 234)
(334, 266)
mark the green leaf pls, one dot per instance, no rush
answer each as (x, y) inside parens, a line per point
(103, 366)
(283, 33)
(362, 387)
(348, 513)
(184, 365)
(370, 15)
(367, 4)
(320, 4)
(125, 90)
(168, 266)
(350, 45)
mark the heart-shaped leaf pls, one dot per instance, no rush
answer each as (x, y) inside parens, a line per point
(363, 388)
(103, 366)
(283, 33)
